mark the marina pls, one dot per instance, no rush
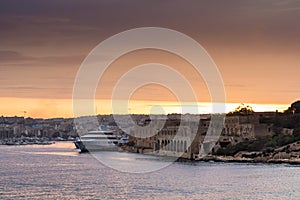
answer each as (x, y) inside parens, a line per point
(26, 141)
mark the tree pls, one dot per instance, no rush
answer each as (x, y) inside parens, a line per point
(242, 110)
(295, 108)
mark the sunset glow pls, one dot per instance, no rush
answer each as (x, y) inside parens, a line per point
(47, 108)
(254, 44)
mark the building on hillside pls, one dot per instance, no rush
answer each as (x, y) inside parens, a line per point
(246, 127)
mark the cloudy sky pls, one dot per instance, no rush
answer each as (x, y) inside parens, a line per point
(255, 44)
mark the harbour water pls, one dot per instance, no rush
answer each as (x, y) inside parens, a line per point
(58, 171)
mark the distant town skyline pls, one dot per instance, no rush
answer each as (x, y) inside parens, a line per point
(255, 45)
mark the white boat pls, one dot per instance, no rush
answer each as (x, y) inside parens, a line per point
(101, 140)
(123, 140)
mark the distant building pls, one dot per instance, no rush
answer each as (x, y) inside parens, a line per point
(246, 127)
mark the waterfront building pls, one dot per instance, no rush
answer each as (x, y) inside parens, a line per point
(190, 139)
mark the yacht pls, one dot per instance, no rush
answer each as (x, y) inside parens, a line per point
(101, 140)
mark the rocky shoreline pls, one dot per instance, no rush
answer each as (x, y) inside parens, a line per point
(249, 160)
(289, 154)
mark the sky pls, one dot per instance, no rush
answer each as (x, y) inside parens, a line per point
(255, 45)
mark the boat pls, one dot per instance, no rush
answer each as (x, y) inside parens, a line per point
(100, 140)
(123, 140)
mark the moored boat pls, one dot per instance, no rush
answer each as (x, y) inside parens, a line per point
(101, 140)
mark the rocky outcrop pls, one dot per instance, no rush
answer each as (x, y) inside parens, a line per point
(286, 154)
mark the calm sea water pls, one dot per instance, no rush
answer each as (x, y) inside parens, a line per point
(59, 172)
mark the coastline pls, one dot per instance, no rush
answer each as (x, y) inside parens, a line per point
(232, 159)
(288, 154)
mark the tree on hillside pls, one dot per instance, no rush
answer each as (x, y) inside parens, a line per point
(242, 110)
(295, 108)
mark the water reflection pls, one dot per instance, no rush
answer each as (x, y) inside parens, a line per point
(51, 173)
(56, 153)
(130, 162)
